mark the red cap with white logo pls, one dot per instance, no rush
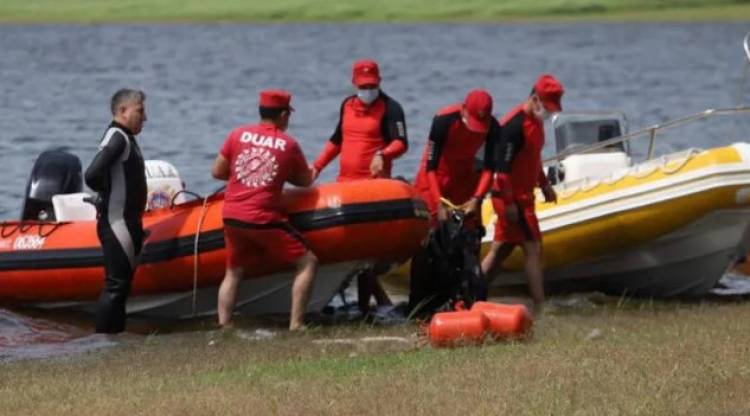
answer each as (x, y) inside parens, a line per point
(365, 72)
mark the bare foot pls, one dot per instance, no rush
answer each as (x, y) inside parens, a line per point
(297, 327)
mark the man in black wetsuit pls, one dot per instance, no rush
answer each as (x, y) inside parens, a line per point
(117, 173)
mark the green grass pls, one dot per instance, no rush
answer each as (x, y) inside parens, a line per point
(630, 358)
(87, 11)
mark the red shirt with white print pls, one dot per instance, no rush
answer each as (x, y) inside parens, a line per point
(261, 158)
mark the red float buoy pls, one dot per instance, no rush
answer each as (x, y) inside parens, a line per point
(456, 328)
(505, 321)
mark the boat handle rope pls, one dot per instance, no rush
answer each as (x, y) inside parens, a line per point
(55, 226)
(588, 184)
(196, 254)
(663, 166)
(5, 225)
(23, 228)
(182, 191)
(196, 262)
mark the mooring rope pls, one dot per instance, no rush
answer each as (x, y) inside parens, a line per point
(196, 263)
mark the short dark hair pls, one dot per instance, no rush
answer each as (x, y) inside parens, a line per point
(268, 113)
(125, 95)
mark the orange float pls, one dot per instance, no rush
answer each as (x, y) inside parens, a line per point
(449, 329)
(505, 321)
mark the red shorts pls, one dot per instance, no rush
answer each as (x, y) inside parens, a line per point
(249, 245)
(526, 229)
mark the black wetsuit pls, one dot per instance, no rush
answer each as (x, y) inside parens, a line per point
(118, 174)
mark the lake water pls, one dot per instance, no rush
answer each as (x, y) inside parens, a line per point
(203, 80)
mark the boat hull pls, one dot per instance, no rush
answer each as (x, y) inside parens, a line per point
(260, 296)
(686, 263)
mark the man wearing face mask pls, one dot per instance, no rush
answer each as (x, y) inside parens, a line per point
(369, 135)
(371, 130)
(513, 192)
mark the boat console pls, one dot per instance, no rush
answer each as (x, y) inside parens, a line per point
(572, 131)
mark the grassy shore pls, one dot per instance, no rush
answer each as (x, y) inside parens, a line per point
(92, 11)
(604, 358)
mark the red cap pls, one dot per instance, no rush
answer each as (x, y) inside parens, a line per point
(276, 99)
(365, 72)
(550, 91)
(478, 106)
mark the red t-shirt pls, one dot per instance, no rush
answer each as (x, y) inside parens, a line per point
(525, 135)
(361, 131)
(451, 151)
(261, 158)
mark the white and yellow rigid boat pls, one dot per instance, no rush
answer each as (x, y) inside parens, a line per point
(668, 226)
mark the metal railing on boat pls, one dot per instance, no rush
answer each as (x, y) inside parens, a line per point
(650, 132)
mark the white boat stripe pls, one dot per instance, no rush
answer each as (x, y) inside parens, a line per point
(116, 211)
(108, 136)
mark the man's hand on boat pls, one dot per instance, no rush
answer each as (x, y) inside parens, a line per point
(377, 165)
(549, 193)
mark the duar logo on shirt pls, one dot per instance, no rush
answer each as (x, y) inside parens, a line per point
(256, 167)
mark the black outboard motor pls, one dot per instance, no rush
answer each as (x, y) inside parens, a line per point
(55, 172)
(448, 270)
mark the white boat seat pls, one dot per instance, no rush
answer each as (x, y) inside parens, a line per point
(71, 207)
(593, 165)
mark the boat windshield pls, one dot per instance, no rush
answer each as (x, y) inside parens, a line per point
(580, 133)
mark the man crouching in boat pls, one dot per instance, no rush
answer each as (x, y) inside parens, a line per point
(118, 174)
(513, 193)
(256, 160)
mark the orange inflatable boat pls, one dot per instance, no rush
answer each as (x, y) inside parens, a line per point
(59, 263)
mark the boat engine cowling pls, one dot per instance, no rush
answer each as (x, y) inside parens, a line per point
(55, 172)
(164, 183)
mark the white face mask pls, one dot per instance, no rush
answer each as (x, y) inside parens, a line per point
(540, 112)
(369, 95)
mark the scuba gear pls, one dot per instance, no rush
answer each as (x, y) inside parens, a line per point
(448, 269)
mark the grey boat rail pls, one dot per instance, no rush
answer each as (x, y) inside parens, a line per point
(651, 131)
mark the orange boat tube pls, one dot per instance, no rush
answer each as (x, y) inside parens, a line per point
(378, 220)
